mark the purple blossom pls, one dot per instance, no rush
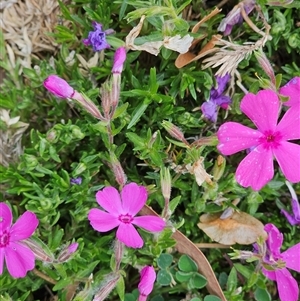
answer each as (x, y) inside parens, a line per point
(270, 139)
(235, 16)
(294, 218)
(121, 209)
(275, 264)
(210, 107)
(19, 258)
(97, 38)
(76, 181)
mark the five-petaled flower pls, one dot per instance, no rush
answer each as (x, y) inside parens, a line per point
(292, 90)
(146, 283)
(294, 218)
(275, 264)
(270, 139)
(97, 38)
(216, 99)
(121, 212)
(19, 258)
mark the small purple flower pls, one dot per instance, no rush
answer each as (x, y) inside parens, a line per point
(210, 107)
(119, 59)
(294, 218)
(97, 38)
(76, 181)
(235, 17)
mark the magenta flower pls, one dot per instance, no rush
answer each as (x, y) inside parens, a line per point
(268, 141)
(292, 89)
(287, 286)
(58, 86)
(121, 212)
(146, 284)
(18, 257)
(97, 38)
(216, 99)
(294, 218)
(235, 17)
(119, 59)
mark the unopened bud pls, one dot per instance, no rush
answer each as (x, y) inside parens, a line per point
(118, 170)
(67, 252)
(219, 168)
(265, 65)
(174, 131)
(119, 59)
(107, 286)
(165, 182)
(38, 250)
(58, 86)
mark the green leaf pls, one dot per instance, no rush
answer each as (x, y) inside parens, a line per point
(121, 288)
(137, 114)
(232, 280)
(183, 276)
(164, 277)
(262, 295)
(186, 264)
(198, 281)
(211, 298)
(164, 260)
(61, 284)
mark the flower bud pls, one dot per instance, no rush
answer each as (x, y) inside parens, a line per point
(58, 86)
(119, 59)
(66, 253)
(38, 250)
(219, 168)
(265, 65)
(165, 180)
(174, 131)
(145, 287)
(107, 286)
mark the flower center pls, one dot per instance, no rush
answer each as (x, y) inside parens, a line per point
(4, 239)
(125, 218)
(271, 139)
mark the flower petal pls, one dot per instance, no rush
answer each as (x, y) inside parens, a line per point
(150, 223)
(134, 197)
(209, 110)
(291, 219)
(102, 221)
(275, 239)
(127, 234)
(1, 260)
(256, 169)
(24, 226)
(288, 157)
(292, 257)
(5, 217)
(19, 259)
(109, 199)
(287, 286)
(289, 125)
(292, 89)
(262, 109)
(221, 84)
(234, 137)
(269, 274)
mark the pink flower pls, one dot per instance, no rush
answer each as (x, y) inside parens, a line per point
(146, 284)
(268, 141)
(287, 286)
(121, 212)
(292, 89)
(58, 86)
(119, 59)
(19, 258)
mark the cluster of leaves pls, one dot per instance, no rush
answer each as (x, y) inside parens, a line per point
(64, 143)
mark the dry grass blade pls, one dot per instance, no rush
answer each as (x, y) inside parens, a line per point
(230, 55)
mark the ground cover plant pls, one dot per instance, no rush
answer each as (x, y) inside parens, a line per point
(150, 150)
